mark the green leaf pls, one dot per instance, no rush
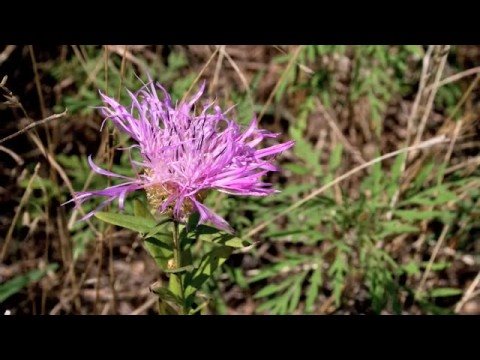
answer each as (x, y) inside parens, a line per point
(239, 278)
(445, 292)
(269, 306)
(377, 177)
(271, 289)
(205, 230)
(396, 227)
(296, 169)
(415, 215)
(411, 268)
(285, 81)
(438, 266)
(193, 221)
(305, 150)
(210, 234)
(434, 196)
(296, 293)
(166, 295)
(287, 295)
(159, 250)
(14, 285)
(338, 271)
(423, 175)
(135, 223)
(208, 264)
(284, 233)
(169, 303)
(335, 157)
(140, 210)
(396, 173)
(165, 308)
(430, 308)
(80, 239)
(312, 292)
(226, 240)
(157, 230)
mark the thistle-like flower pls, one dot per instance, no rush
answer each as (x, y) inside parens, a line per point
(185, 155)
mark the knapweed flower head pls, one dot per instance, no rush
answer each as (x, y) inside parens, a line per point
(185, 154)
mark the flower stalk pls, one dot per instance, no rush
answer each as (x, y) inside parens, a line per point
(175, 284)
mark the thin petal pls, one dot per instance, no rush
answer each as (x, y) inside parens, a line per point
(275, 149)
(197, 96)
(101, 171)
(207, 215)
(98, 208)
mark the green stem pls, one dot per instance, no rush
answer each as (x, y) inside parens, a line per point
(176, 282)
(177, 251)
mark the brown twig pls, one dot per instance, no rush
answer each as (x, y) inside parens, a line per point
(240, 74)
(13, 155)
(468, 294)
(34, 124)
(470, 162)
(457, 77)
(145, 306)
(218, 67)
(438, 245)
(421, 93)
(442, 53)
(5, 54)
(37, 81)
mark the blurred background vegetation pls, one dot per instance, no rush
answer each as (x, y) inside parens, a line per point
(399, 237)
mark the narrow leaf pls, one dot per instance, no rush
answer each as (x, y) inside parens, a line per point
(208, 264)
(140, 210)
(135, 223)
(445, 292)
(210, 234)
(166, 295)
(14, 285)
(159, 250)
(312, 292)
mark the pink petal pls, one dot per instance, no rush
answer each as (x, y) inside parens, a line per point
(207, 215)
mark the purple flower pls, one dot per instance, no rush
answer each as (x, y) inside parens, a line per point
(185, 154)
